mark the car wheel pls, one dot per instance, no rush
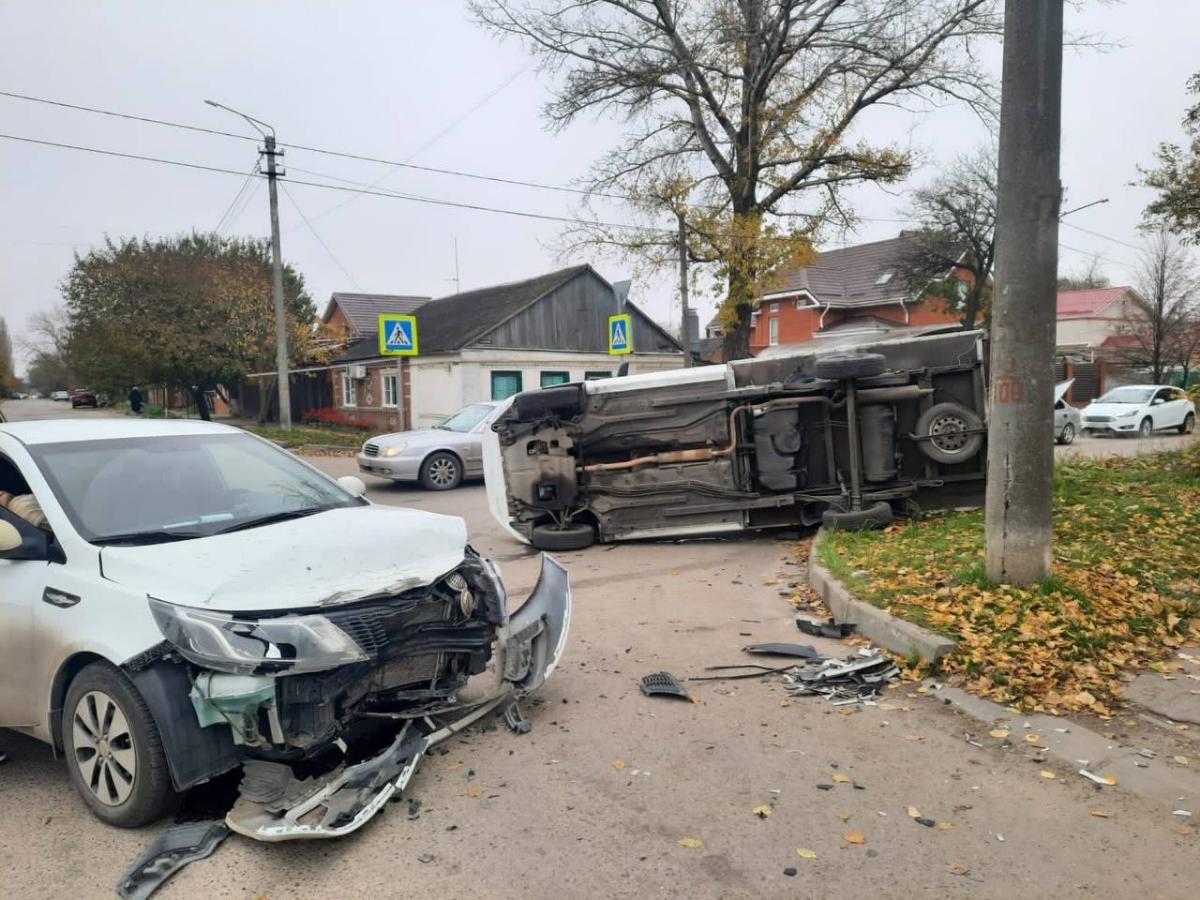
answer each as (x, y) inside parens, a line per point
(114, 754)
(441, 471)
(1146, 429)
(575, 536)
(942, 428)
(849, 365)
(858, 520)
(1189, 424)
(1067, 435)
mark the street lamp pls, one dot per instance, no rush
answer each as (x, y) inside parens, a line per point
(281, 350)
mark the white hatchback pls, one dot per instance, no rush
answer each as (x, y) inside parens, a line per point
(1140, 409)
(201, 600)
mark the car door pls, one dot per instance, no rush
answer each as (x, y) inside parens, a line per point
(1177, 403)
(22, 584)
(1160, 409)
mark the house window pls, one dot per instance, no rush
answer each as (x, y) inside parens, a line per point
(549, 379)
(348, 392)
(772, 331)
(389, 391)
(595, 376)
(505, 384)
(774, 307)
(884, 278)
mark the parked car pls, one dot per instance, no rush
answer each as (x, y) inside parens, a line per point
(60, 395)
(439, 457)
(1140, 409)
(1068, 421)
(84, 397)
(18, 395)
(847, 439)
(206, 600)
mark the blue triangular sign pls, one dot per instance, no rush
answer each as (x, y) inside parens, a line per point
(618, 335)
(399, 336)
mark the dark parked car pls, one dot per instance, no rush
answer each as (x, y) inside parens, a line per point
(847, 438)
(84, 397)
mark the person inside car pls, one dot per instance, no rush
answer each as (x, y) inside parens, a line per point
(25, 506)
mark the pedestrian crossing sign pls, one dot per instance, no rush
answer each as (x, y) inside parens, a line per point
(397, 335)
(619, 339)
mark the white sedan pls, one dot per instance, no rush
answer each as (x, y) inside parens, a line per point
(1140, 409)
(198, 600)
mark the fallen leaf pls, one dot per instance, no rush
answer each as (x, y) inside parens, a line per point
(841, 779)
(805, 853)
(474, 792)
(453, 766)
(958, 869)
(1033, 738)
(945, 826)
(1109, 779)
(999, 733)
(914, 812)
(1099, 814)
(913, 737)
(854, 837)
(691, 843)
(1182, 760)
(618, 764)
(762, 811)
(1046, 773)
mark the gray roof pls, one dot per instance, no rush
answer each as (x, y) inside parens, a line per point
(850, 276)
(363, 310)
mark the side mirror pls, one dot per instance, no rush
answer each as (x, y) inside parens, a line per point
(20, 540)
(1157, 401)
(353, 484)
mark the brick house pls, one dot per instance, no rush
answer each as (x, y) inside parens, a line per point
(1090, 336)
(851, 291)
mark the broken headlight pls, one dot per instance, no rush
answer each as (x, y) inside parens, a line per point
(287, 644)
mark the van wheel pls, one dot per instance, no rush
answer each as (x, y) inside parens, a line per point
(569, 537)
(875, 516)
(114, 754)
(949, 433)
(849, 365)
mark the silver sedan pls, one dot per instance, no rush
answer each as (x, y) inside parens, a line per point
(439, 457)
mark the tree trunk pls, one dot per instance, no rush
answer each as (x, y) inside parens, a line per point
(266, 391)
(742, 291)
(201, 401)
(974, 298)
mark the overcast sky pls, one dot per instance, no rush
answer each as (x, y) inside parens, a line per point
(416, 80)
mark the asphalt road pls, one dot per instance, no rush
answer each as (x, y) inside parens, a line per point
(595, 800)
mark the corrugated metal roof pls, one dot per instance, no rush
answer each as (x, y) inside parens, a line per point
(363, 310)
(1088, 302)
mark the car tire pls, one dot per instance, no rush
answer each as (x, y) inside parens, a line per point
(1189, 424)
(569, 537)
(1146, 428)
(943, 421)
(873, 517)
(844, 366)
(1067, 435)
(130, 786)
(441, 471)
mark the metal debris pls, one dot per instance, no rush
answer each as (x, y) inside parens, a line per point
(803, 651)
(170, 852)
(515, 720)
(829, 628)
(855, 679)
(663, 683)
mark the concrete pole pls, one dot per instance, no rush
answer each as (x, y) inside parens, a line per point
(685, 312)
(1020, 428)
(281, 348)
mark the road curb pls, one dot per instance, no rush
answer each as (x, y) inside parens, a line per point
(878, 625)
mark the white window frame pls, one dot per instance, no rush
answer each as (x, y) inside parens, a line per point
(773, 331)
(349, 390)
(773, 307)
(391, 396)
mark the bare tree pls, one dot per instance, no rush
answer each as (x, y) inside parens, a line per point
(952, 254)
(8, 376)
(1166, 309)
(746, 115)
(1090, 276)
(48, 339)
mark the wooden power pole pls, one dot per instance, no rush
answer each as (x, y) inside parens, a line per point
(1020, 468)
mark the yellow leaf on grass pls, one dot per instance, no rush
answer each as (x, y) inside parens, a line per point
(805, 853)
(618, 763)
(474, 792)
(1046, 773)
(914, 813)
(854, 837)
(691, 843)
(1099, 814)
(999, 733)
(762, 811)
(841, 779)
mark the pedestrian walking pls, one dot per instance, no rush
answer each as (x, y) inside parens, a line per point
(135, 400)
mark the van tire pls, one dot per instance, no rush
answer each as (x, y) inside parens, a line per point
(876, 516)
(569, 537)
(843, 366)
(945, 419)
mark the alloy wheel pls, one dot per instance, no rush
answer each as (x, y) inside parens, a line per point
(104, 751)
(1146, 429)
(442, 472)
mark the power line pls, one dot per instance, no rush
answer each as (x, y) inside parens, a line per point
(320, 241)
(238, 196)
(1103, 236)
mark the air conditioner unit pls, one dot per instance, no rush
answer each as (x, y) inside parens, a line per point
(358, 372)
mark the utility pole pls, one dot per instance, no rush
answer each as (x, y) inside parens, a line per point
(686, 332)
(282, 375)
(1020, 432)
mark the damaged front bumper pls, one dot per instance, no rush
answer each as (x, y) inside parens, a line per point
(275, 805)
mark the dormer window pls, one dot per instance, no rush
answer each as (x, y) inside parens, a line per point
(884, 278)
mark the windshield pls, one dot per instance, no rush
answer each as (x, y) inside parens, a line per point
(1127, 395)
(466, 418)
(155, 489)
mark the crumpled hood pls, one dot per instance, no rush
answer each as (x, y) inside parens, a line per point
(321, 560)
(1111, 409)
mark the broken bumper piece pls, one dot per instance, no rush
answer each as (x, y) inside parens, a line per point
(274, 805)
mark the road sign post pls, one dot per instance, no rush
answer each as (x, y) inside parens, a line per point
(398, 338)
(620, 337)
